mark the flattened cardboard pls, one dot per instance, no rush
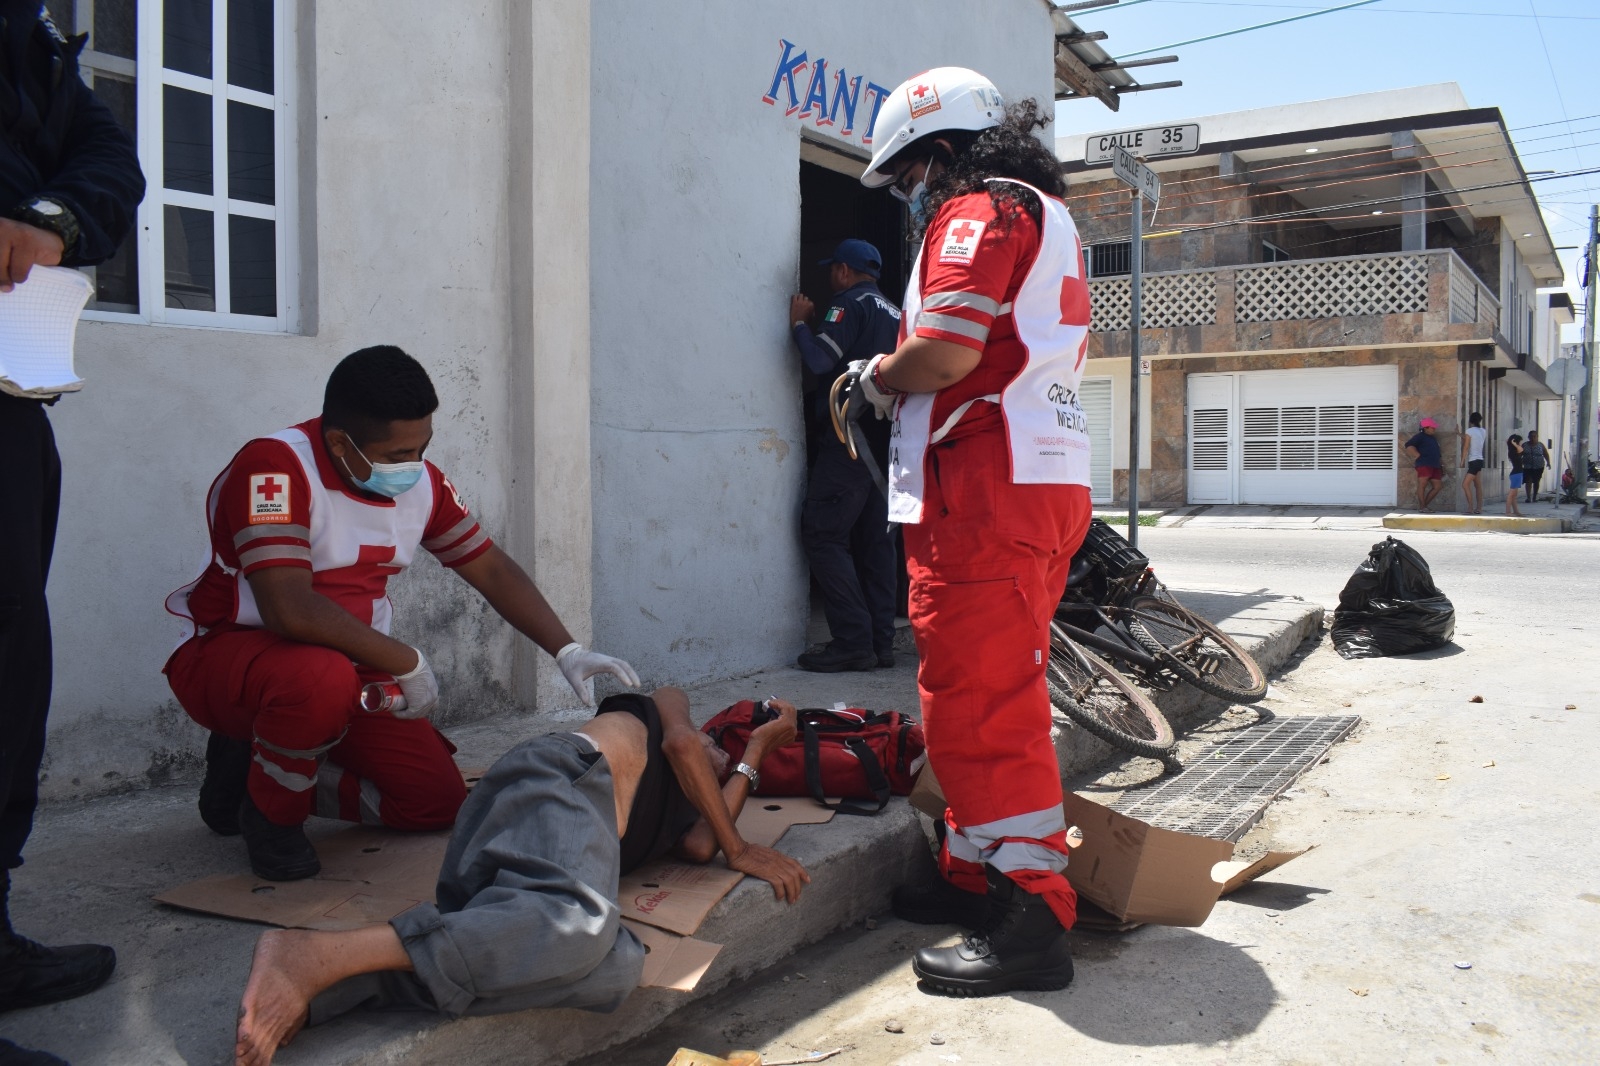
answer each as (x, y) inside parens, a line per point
(1235, 875)
(1133, 870)
(672, 961)
(677, 896)
(368, 876)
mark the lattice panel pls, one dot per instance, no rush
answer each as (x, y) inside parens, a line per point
(1167, 300)
(1332, 288)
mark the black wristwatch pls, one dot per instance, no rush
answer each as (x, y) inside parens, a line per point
(50, 215)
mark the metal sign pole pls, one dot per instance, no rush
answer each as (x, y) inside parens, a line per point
(1135, 320)
(1586, 397)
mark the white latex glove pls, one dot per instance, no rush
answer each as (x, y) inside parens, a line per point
(865, 381)
(579, 665)
(421, 690)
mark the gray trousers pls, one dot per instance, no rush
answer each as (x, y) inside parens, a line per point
(527, 899)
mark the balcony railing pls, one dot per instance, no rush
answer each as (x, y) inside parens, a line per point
(1392, 283)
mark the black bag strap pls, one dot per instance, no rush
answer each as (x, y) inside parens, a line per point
(876, 781)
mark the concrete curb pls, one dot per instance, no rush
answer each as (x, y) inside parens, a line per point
(176, 990)
(1462, 523)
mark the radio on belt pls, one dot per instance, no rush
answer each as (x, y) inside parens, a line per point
(382, 696)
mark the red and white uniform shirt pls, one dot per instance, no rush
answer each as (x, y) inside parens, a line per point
(281, 502)
(1017, 295)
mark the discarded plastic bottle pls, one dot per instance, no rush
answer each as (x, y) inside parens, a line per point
(380, 696)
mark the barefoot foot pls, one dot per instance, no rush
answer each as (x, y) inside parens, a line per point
(277, 996)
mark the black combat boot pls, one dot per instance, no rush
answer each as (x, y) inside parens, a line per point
(32, 975)
(227, 770)
(1023, 948)
(277, 852)
(938, 902)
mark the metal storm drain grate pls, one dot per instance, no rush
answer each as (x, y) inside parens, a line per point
(1223, 792)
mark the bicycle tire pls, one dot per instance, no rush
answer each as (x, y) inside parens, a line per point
(1103, 702)
(1169, 630)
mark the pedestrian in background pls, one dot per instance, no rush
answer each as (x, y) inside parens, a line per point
(70, 180)
(844, 523)
(1535, 457)
(1473, 443)
(1429, 461)
(1514, 457)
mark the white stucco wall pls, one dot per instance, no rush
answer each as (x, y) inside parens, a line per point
(697, 435)
(404, 148)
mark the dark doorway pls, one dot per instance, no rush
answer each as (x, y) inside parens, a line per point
(835, 207)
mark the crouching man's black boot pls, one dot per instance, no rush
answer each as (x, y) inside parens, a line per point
(1022, 948)
(277, 852)
(227, 772)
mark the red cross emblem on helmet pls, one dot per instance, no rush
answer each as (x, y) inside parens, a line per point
(923, 97)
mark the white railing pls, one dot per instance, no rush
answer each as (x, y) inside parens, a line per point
(1181, 299)
(1388, 283)
(1332, 288)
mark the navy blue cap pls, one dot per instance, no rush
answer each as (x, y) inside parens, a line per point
(857, 255)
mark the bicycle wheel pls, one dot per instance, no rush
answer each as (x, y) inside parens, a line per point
(1203, 655)
(1106, 704)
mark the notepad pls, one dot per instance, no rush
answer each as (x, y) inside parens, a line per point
(38, 324)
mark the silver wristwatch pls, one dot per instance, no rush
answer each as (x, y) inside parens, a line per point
(749, 771)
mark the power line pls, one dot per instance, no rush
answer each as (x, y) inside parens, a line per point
(1380, 11)
(1247, 29)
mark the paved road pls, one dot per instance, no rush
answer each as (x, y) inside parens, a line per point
(1448, 831)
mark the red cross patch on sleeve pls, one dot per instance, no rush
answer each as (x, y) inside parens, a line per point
(960, 244)
(269, 499)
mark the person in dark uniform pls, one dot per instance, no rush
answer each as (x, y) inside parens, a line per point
(69, 183)
(844, 523)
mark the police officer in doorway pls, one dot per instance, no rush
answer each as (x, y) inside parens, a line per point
(844, 522)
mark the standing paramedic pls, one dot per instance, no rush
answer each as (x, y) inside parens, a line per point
(844, 522)
(69, 184)
(989, 467)
(291, 619)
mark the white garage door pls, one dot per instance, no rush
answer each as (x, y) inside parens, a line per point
(1317, 436)
(1094, 395)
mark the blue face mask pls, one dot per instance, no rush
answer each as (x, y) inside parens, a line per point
(919, 200)
(387, 479)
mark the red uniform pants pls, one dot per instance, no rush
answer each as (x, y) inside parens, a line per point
(988, 563)
(314, 750)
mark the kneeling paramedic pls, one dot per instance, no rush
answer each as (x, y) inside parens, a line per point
(527, 911)
(289, 622)
(989, 472)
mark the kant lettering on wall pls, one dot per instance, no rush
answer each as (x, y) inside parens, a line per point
(830, 98)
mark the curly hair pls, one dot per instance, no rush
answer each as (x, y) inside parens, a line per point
(1009, 150)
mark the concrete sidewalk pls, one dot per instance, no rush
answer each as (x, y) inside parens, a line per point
(92, 868)
(1544, 516)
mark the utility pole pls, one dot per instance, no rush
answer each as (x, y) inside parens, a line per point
(1586, 398)
(1144, 183)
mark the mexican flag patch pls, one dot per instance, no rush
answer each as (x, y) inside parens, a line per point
(834, 314)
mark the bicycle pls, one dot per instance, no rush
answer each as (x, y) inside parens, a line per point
(1114, 606)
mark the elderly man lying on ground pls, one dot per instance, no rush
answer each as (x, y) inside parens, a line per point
(527, 910)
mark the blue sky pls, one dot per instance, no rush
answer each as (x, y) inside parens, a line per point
(1533, 59)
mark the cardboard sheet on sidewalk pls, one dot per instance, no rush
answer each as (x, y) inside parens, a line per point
(677, 896)
(371, 875)
(1135, 871)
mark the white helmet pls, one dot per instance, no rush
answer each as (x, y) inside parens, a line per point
(944, 98)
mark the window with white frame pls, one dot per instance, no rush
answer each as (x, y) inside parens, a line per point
(205, 86)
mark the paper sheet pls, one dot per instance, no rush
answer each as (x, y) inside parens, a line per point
(38, 324)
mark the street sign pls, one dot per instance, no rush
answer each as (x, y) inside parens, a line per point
(1144, 367)
(1136, 175)
(1565, 376)
(1154, 143)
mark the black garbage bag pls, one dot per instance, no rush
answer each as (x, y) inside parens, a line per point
(1390, 606)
